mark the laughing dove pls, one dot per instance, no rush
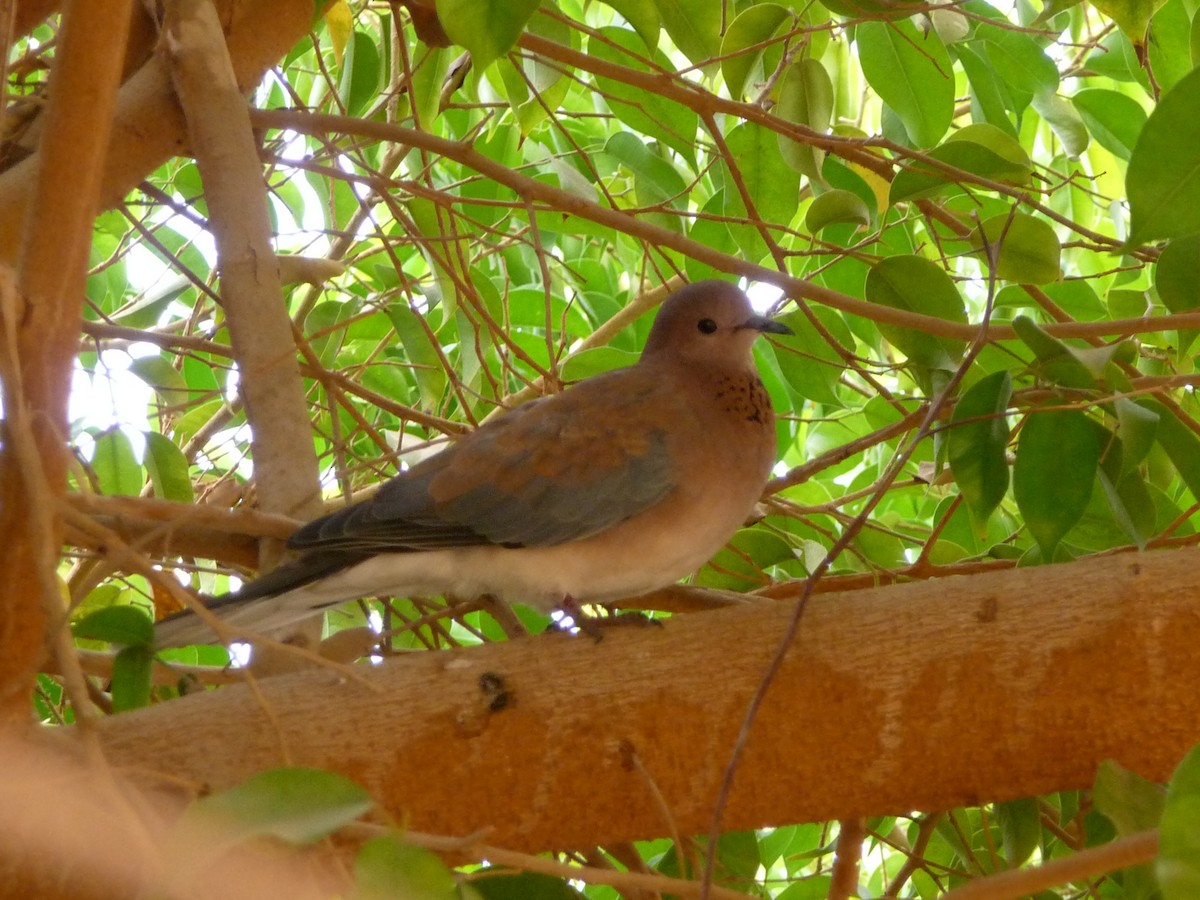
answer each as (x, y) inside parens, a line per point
(624, 483)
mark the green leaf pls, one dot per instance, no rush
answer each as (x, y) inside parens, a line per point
(128, 626)
(643, 16)
(1178, 864)
(656, 182)
(812, 368)
(167, 381)
(1020, 829)
(1114, 119)
(1169, 43)
(426, 363)
(296, 805)
(1131, 16)
(1163, 180)
(1137, 427)
(645, 113)
(982, 150)
(1057, 457)
(131, 678)
(487, 28)
(694, 26)
(362, 73)
(1057, 363)
(977, 444)
(912, 74)
(387, 868)
(1177, 275)
(989, 103)
(1064, 121)
(834, 207)
(918, 285)
(773, 186)
(168, 469)
(806, 98)
(1131, 802)
(1131, 504)
(1028, 249)
(1181, 444)
(752, 27)
(525, 886)
(1019, 61)
(116, 468)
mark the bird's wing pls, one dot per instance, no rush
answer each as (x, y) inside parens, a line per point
(554, 470)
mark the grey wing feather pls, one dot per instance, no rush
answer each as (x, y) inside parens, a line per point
(527, 479)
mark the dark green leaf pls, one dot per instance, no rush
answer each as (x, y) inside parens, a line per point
(131, 678)
(1177, 275)
(362, 73)
(1181, 443)
(1056, 362)
(525, 886)
(977, 444)
(1057, 457)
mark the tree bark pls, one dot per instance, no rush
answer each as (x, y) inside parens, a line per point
(39, 330)
(919, 696)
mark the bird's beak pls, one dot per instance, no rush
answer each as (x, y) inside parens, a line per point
(763, 324)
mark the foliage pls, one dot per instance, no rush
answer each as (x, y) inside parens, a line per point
(959, 206)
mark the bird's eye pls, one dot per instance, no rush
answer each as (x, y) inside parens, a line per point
(707, 326)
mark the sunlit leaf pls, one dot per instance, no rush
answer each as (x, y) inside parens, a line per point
(1163, 181)
(1114, 119)
(487, 28)
(833, 207)
(752, 27)
(128, 626)
(806, 98)
(1025, 248)
(117, 469)
(1178, 864)
(912, 73)
(918, 285)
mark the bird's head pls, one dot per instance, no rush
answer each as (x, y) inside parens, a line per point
(708, 321)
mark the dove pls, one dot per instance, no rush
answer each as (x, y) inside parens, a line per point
(621, 484)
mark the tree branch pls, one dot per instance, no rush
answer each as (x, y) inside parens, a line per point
(916, 696)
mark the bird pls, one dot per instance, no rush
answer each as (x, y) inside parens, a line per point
(618, 485)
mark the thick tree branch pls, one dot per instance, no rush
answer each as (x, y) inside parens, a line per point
(39, 330)
(918, 696)
(286, 473)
